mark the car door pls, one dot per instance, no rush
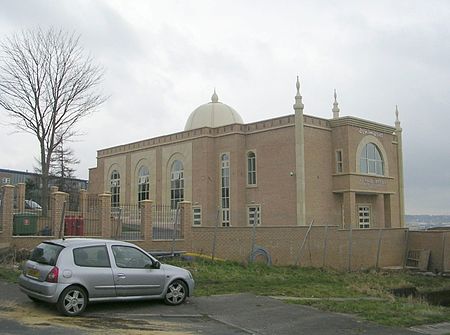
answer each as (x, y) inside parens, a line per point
(93, 269)
(134, 272)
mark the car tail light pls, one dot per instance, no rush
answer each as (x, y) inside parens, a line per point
(52, 276)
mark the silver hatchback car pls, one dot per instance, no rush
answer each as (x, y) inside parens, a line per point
(74, 272)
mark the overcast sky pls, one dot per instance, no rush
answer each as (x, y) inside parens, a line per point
(164, 58)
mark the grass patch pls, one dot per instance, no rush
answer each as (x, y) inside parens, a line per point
(9, 273)
(401, 312)
(230, 277)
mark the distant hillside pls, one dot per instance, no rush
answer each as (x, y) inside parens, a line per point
(423, 222)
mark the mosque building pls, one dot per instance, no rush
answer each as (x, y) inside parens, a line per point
(284, 171)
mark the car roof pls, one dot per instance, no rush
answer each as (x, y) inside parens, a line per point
(76, 242)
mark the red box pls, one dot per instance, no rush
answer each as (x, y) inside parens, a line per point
(73, 226)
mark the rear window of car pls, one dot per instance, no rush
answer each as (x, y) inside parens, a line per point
(46, 253)
(96, 256)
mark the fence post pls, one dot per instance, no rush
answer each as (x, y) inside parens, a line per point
(350, 245)
(186, 221)
(297, 261)
(7, 207)
(380, 237)
(443, 252)
(444, 267)
(405, 258)
(21, 197)
(213, 252)
(105, 214)
(146, 219)
(325, 244)
(57, 211)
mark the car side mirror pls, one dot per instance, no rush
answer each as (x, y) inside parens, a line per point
(156, 265)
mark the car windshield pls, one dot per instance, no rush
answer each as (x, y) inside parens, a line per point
(46, 253)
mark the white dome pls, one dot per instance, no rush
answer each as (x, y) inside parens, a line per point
(213, 114)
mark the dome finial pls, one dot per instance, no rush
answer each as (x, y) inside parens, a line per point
(298, 98)
(397, 121)
(214, 97)
(335, 109)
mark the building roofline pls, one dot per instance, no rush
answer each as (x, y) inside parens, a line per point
(362, 123)
(245, 128)
(36, 174)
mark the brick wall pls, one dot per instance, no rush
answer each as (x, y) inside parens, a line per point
(438, 242)
(283, 244)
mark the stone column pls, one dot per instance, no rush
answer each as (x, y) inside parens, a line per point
(57, 202)
(398, 132)
(186, 221)
(300, 157)
(350, 210)
(104, 202)
(83, 203)
(21, 197)
(387, 211)
(7, 208)
(146, 219)
(378, 215)
(53, 189)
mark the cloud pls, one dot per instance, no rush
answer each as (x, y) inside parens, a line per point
(163, 59)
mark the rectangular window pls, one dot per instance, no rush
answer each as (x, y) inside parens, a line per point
(46, 253)
(364, 216)
(96, 256)
(225, 189)
(197, 216)
(339, 161)
(251, 168)
(115, 193)
(254, 215)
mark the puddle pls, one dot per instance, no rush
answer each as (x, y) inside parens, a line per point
(438, 297)
(409, 291)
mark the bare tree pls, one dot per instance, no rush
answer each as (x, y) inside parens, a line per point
(47, 85)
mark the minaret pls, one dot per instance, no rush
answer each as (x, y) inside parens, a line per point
(335, 107)
(401, 195)
(299, 157)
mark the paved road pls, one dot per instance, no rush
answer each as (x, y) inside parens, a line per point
(221, 315)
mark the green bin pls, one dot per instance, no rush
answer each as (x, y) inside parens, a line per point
(25, 224)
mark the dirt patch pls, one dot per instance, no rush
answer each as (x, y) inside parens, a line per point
(43, 315)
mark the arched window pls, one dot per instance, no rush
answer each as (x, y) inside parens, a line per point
(115, 188)
(371, 161)
(176, 184)
(251, 168)
(143, 184)
(225, 189)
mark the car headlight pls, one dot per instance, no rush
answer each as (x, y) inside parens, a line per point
(190, 275)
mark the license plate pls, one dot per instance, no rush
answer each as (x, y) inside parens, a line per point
(33, 273)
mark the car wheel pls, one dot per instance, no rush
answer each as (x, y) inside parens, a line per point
(176, 293)
(72, 301)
